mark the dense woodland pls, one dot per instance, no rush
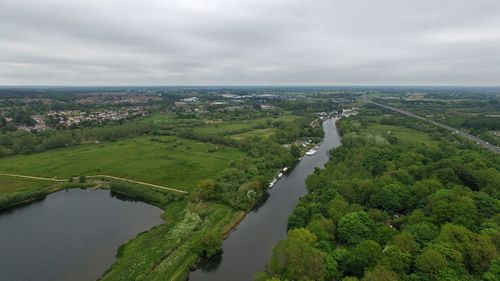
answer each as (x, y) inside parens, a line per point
(385, 210)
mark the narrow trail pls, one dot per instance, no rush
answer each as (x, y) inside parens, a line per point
(34, 178)
(98, 176)
(139, 182)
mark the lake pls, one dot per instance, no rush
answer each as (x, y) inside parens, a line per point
(70, 235)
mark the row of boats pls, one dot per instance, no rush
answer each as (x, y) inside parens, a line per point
(311, 152)
(275, 180)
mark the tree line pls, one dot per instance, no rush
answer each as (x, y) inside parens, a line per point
(390, 210)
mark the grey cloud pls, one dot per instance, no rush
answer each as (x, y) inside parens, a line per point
(231, 42)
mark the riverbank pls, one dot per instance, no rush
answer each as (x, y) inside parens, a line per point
(254, 236)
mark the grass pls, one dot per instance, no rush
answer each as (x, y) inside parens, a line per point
(174, 162)
(402, 133)
(165, 252)
(235, 127)
(12, 184)
(262, 133)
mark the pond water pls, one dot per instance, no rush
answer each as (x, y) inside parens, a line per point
(70, 235)
(248, 248)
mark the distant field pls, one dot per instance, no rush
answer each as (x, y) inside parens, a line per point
(263, 133)
(404, 134)
(176, 163)
(11, 184)
(234, 127)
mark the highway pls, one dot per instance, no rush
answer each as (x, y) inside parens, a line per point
(466, 135)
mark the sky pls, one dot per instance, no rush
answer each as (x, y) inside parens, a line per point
(250, 42)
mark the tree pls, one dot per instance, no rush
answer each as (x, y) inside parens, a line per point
(208, 244)
(480, 254)
(494, 271)
(365, 255)
(355, 227)
(396, 259)
(380, 273)
(297, 259)
(406, 242)
(388, 197)
(302, 235)
(423, 232)
(430, 262)
(82, 179)
(295, 150)
(322, 228)
(206, 189)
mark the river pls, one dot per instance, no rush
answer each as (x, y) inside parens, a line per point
(248, 247)
(70, 235)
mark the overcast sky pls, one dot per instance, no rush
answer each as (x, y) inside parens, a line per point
(249, 42)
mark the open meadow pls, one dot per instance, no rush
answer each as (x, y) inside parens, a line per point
(236, 127)
(169, 161)
(402, 133)
(10, 184)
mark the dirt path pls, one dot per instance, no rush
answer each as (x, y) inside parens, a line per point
(34, 178)
(97, 176)
(139, 182)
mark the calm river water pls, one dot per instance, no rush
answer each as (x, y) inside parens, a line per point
(248, 248)
(70, 235)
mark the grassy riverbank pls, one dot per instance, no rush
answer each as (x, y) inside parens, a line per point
(168, 251)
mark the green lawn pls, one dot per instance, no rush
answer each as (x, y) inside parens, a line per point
(176, 163)
(402, 133)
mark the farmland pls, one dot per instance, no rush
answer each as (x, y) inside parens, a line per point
(170, 161)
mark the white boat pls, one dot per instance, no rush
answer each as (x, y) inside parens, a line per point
(311, 152)
(280, 175)
(271, 184)
(285, 169)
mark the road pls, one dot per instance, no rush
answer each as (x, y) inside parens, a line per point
(466, 135)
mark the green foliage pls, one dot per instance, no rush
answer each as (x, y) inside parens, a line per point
(158, 197)
(423, 232)
(206, 189)
(296, 259)
(208, 244)
(355, 227)
(430, 262)
(493, 274)
(404, 209)
(363, 256)
(380, 273)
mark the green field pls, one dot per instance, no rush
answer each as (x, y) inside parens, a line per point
(174, 162)
(235, 127)
(12, 184)
(263, 133)
(402, 133)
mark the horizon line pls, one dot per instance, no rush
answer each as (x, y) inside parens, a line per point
(255, 86)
